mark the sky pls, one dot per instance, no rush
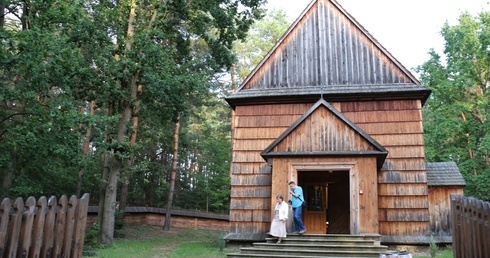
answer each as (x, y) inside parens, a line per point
(407, 29)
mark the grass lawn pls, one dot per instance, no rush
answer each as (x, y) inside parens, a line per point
(152, 241)
(442, 253)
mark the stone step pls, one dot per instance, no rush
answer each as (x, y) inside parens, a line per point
(272, 252)
(320, 246)
(310, 246)
(319, 240)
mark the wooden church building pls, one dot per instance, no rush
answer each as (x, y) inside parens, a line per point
(331, 109)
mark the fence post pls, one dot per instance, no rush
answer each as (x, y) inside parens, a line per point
(14, 231)
(49, 226)
(26, 228)
(37, 235)
(59, 231)
(80, 225)
(69, 225)
(454, 222)
(4, 224)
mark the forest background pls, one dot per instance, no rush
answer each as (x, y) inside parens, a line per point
(125, 99)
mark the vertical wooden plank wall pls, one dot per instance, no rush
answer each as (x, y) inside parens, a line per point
(402, 182)
(28, 229)
(256, 127)
(440, 209)
(326, 48)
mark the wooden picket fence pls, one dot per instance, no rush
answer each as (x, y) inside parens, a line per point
(471, 227)
(45, 229)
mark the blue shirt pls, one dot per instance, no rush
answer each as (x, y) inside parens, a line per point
(297, 201)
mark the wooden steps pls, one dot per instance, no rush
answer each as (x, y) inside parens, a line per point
(309, 246)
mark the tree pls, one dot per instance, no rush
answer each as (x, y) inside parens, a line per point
(456, 117)
(261, 38)
(102, 52)
(155, 29)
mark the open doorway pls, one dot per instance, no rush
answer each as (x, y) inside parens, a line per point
(328, 202)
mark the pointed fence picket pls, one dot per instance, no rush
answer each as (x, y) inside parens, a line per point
(43, 228)
(471, 227)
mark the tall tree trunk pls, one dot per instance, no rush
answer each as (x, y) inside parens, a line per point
(105, 176)
(7, 181)
(166, 225)
(2, 13)
(86, 145)
(126, 176)
(110, 197)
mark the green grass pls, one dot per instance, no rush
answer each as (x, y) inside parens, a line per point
(442, 253)
(150, 241)
(153, 242)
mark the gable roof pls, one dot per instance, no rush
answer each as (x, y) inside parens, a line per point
(327, 51)
(327, 133)
(444, 174)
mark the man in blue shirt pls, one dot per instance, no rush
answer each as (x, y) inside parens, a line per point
(297, 202)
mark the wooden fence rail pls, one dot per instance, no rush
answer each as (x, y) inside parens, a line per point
(471, 227)
(46, 228)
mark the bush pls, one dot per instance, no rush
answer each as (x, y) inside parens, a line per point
(433, 247)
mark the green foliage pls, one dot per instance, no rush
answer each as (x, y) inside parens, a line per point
(456, 116)
(261, 38)
(58, 57)
(91, 237)
(433, 247)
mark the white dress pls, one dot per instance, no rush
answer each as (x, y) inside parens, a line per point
(278, 226)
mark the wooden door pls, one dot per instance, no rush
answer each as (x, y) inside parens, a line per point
(315, 214)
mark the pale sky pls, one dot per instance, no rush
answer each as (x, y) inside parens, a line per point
(407, 29)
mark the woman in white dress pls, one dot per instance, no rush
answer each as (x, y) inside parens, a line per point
(278, 225)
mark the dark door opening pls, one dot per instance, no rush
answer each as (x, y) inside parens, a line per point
(327, 196)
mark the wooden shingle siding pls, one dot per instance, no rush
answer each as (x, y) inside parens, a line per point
(405, 202)
(405, 189)
(400, 228)
(397, 125)
(327, 48)
(390, 128)
(403, 214)
(383, 116)
(250, 168)
(388, 105)
(246, 144)
(241, 215)
(406, 139)
(244, 227)
(405, 151)
(255, 128)
(245, 191)
(251, 180)
(402, 176)
(265, 121)
(251, 204)
(404, 164)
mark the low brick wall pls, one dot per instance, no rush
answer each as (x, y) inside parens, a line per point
(180, 218)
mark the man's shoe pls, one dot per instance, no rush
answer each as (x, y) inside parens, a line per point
(302, 232)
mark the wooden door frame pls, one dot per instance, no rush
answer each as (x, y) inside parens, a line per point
(353, 170)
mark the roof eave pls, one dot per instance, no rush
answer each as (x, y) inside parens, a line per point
(237, 100)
